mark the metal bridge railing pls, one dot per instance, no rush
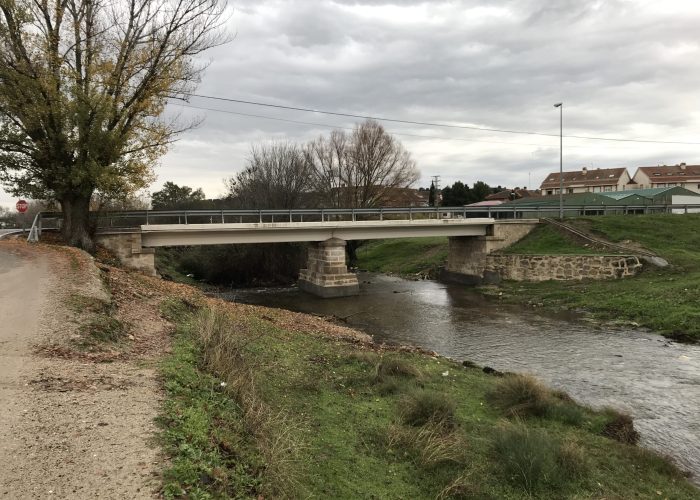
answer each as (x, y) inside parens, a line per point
(135, 218)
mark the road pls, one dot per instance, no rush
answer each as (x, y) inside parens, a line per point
(69, 427)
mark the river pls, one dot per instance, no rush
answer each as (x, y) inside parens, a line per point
(655, 380)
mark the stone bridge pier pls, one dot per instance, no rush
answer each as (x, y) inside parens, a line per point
(326, 273)
(466, 258)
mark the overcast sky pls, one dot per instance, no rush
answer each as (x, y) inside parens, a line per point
(623, 68)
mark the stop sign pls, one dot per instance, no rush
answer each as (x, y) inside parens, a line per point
(22, 206)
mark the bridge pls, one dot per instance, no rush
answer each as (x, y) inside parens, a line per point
(134, 236)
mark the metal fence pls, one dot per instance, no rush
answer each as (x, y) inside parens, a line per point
(124, 220)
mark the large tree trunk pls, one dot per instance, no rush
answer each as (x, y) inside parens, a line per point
(76, 222)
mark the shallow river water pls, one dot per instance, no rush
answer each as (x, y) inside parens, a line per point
(655, 380)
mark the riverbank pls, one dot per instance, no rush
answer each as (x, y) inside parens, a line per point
(261, 405)
(266, 402)
(663, 300)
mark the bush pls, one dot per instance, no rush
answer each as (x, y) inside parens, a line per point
(423, 407)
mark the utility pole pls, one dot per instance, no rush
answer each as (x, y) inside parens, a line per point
(560, 105)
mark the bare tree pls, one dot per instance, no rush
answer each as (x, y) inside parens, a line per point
(83, 84)
(361, 169)
(277, 175)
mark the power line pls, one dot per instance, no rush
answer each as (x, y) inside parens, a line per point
(432, 124)
(423, 136)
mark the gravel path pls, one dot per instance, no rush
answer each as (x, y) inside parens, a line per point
(70, 427)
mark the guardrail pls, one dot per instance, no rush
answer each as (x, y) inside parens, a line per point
(135, 218)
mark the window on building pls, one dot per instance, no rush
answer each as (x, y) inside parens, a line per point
(549, 191)
(570, 190)
(607, 188)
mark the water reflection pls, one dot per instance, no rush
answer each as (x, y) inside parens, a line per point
(655, 380)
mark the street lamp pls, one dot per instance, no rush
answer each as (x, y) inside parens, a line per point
(560, 105)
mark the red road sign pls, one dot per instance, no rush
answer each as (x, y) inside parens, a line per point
(22, 206)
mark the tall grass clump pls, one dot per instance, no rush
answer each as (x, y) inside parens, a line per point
(421, 407)
(531, 459)
(393, 375)
(224, 342)
(429, 445)
(520, 396)
(524, 396)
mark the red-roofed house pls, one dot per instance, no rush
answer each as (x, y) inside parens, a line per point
(687, 176)
(587, 181)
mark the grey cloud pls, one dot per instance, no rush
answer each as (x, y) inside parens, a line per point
(621, 70)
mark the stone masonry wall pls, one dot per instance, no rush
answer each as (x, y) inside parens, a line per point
(127, 247)
(326, 273)
(561, 267)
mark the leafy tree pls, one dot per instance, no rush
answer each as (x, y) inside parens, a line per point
(83, 84)
(173, 196)
(456, 195)
(480, 190)
(431, 195)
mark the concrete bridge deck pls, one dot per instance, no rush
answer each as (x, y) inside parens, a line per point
(326, 273)
(160, 235)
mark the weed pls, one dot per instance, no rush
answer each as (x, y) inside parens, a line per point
(421, 407)
(103, 328)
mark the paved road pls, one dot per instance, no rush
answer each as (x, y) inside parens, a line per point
(4, 232)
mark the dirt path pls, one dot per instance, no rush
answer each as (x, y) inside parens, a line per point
(70, 427)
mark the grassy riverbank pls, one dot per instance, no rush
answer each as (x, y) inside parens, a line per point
(406, 257)
(665, 300)
(267, 403)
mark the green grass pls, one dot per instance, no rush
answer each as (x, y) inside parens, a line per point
(545, 239)
(350, 438)
(664, 300)
(405, 256)
(212, 455)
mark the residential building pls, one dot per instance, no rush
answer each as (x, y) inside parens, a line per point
(682, 175)
(599, 180)
(512, 194)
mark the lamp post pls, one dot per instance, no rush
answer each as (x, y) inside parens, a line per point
(560, 105)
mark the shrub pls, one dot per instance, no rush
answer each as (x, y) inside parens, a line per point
(423, 407)
(528, 457)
